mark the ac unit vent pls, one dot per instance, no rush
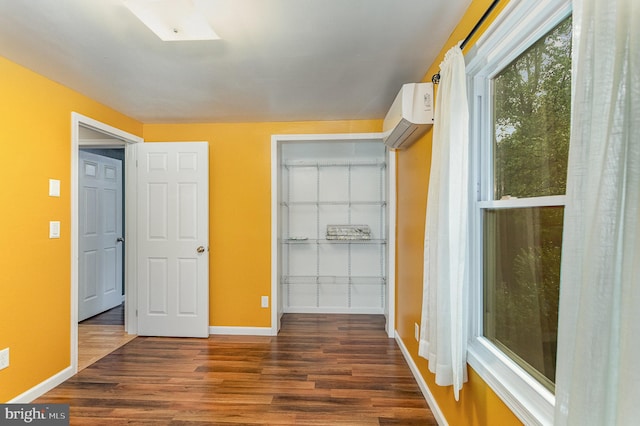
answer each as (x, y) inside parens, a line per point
(410, 115)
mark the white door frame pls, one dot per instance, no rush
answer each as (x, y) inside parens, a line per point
(276, 141)
(129, 139)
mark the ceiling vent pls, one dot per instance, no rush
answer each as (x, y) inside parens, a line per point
(410, 115)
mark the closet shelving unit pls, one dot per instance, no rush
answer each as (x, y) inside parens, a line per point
(333, 275)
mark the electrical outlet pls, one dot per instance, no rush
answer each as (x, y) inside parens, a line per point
(264, 301)
(416, 331)
(4, 358)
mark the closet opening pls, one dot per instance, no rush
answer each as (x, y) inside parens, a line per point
(333, 226)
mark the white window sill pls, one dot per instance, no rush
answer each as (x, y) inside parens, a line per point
(531, 402)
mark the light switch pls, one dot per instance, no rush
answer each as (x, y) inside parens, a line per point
(54, 188)
(54, 229)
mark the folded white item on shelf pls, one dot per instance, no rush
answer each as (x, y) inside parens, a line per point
(348, 232)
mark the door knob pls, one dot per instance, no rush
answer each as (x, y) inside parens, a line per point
(119, 240)
(200, 249)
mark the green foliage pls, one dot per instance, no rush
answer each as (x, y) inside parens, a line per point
(527, 321)
(522, 261)
(532, 99)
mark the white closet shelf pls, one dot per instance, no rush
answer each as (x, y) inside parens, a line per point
(333, 227)
(351, 163)
(334, 203)
(331, 279)
(298, 240)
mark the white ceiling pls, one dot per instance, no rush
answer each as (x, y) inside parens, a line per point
(278, 60)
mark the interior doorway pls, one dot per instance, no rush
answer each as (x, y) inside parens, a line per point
(92, 341)
(333, 226)
(101, 248)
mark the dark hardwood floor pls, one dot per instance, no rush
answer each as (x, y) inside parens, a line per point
(114, 316)
(320, 370)
(100, 335)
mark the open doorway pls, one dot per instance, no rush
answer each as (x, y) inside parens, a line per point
(100, 326)
(101, 243)
(333, 226)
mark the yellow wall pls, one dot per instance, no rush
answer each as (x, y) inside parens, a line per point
(478, 404)
(35, 291)
(240, 208)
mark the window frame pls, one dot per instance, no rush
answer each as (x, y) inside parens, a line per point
(518, 27)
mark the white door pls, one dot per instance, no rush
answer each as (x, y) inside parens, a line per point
(100, 243)
(172, 236)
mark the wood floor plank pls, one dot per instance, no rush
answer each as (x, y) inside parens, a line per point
(97, 341)
(320, 370)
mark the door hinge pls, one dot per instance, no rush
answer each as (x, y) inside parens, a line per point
(136, 312)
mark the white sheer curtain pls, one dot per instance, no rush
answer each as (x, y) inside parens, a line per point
(598, 371)
(443, 333)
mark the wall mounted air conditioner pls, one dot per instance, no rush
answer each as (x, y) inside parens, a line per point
(410, 115)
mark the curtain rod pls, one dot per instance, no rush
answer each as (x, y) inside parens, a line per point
(436, 77)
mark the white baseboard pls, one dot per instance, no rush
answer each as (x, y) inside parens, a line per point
(428, 396)
(43, 387)
(242, 331)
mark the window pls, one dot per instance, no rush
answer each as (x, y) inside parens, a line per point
(520, 83)
(521, 261)
(522, 245)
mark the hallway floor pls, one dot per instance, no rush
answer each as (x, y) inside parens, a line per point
(100, 335)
